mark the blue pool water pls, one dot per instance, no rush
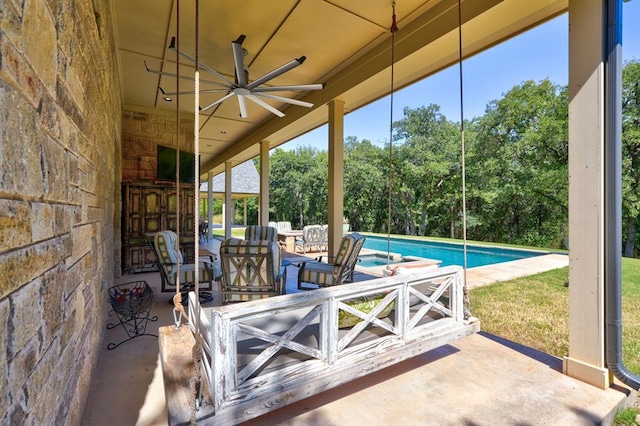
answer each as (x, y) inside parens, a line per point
(368, 261)
(448, 253)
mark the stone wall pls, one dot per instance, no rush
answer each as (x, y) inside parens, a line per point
(142, 132)
(60, 170)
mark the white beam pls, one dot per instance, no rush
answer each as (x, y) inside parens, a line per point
(336, 174)
(264, 184)
(587, 30)
(228, 207)
(210, 204)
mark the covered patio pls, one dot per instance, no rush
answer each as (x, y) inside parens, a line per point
(458, 383)
(86, 99)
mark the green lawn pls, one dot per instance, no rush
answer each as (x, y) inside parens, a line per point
(235, 232)
(533, 311)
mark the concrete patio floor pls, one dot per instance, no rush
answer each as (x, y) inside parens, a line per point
(478, 380)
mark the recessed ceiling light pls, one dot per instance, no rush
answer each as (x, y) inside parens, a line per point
(167, 99)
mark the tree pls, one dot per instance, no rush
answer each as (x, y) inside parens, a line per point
(630, 154)
(518, 174)
(427, 179)
(365, 185)
(298, 181)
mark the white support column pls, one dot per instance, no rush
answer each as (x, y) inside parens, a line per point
(263, 214)
(210, 204)
(245, 212)
(228, 206)
(586, 359)
(336, 174)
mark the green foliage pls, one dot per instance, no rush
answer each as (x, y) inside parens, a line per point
(518, 167)
(626, 417)
(427, 178)
(365, 185)
(516, 158)
(299, 188)
(630, 154)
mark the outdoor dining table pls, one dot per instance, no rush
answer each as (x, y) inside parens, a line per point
(205, 252)
(288, 239)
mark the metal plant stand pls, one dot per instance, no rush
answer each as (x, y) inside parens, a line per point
(131, 303)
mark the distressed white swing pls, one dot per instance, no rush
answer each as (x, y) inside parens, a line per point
(257, 356)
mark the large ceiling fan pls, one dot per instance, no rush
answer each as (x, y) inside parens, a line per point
(242, 88)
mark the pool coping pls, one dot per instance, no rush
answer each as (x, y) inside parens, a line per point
(488, 274)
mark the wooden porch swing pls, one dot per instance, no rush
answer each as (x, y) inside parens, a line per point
(250, 358)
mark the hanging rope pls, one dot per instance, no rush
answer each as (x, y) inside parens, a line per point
(392, 29)
(196, 353)
(465, 289)
(178, 308)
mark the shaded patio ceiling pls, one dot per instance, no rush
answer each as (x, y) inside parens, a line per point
(347, 44)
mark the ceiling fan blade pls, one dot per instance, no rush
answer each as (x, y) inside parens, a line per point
(276, 72)
(191, 92)
(238, 59)
(283, 99)
(265, 105)
(289, 88)
(182, 77)
(243, 106)
(219, 101)
(172, 46)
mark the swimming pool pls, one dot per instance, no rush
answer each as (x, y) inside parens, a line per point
(374, 260)
(448, 253)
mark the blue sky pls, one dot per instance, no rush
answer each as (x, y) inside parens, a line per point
(540, 53)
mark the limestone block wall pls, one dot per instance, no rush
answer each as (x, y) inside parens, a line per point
(142, 132)
(60, 169)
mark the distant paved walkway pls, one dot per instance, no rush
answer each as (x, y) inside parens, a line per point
(483, 275)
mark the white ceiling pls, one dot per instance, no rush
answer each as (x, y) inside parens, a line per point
(347, 44)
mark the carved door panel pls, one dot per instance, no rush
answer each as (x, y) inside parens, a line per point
(132, 215)
(170, 210)
(186, 221)
(152, 207)
(188, 215)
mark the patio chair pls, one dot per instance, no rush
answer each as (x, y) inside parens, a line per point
(313, 236)
(250, 270)
(256, 232)
(203, 228)
(320, 274)
(284, 226)
(168, 256)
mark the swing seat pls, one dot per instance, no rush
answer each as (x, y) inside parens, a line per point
(320, 274)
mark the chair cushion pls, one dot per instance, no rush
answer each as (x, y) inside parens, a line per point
(166, 243)
(346, 245)
(187, 273)
(318, 273)
(256, 232)
(241, 274)
(363, 304)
